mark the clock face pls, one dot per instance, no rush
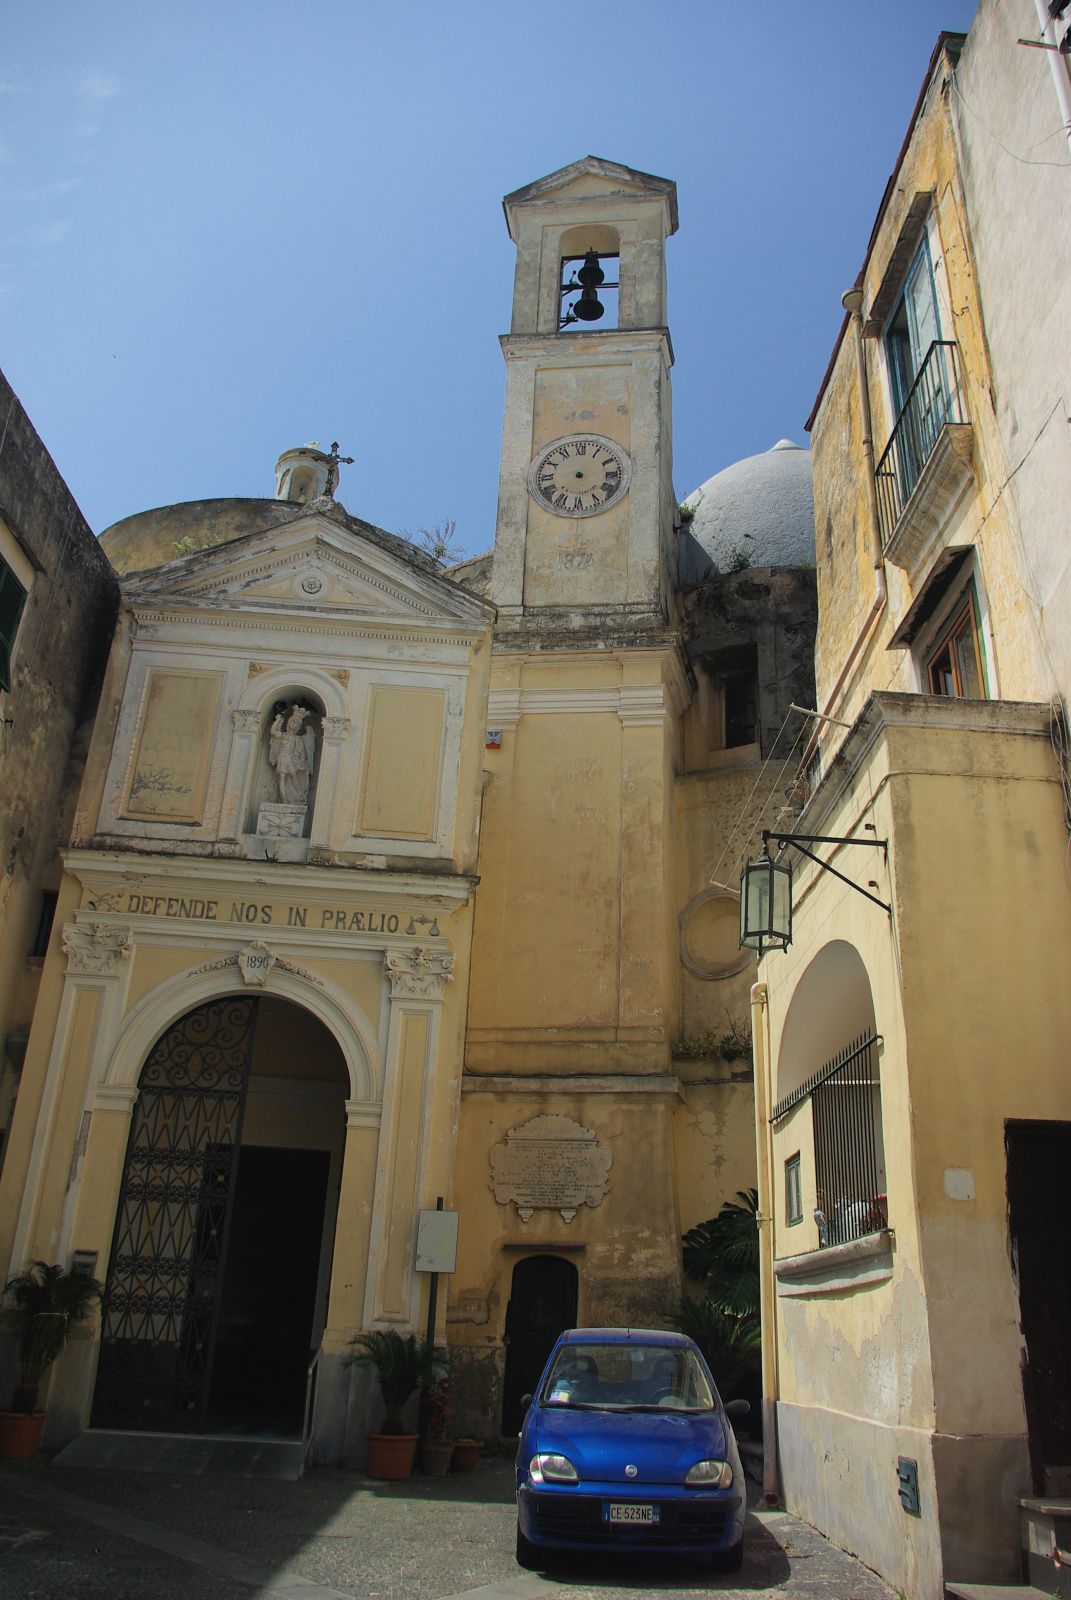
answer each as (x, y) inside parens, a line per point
(580, 475)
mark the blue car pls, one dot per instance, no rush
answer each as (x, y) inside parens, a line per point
(626, 1445)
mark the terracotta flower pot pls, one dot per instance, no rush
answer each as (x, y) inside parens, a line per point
(435, 1456)
(466, 1454)
(20, 1434)
(390, 1455)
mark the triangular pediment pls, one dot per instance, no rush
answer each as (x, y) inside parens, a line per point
(313, 565)
(594, 178)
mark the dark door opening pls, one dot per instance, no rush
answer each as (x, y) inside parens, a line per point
(268, 1303)
(1039, 1219)
(168, 1250)
(543, 1301)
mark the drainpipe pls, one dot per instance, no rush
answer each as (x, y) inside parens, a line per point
(1057, 65)
(767, 1295)
(852, 301)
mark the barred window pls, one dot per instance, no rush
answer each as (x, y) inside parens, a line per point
(849, 1156)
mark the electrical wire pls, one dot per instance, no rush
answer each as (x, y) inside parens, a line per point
(749, 835)
(1026, 161)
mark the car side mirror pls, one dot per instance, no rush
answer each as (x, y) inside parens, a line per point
(737, 1410)
(526, 1401)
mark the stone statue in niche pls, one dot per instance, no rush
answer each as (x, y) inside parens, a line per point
(290, 753)
(291, 758)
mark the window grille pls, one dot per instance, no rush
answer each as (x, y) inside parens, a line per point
(849, 1157)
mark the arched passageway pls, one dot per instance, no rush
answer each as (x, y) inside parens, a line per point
(220, 1264)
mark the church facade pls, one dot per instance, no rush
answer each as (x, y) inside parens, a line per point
(390, 885)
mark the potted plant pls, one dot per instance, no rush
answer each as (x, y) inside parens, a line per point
(435, 1448)
(401, 1366)
(466, 1454)
(48, 1300)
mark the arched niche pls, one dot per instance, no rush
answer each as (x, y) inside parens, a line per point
(833, 1004)
(280, 703)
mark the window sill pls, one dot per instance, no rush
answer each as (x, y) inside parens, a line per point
(838, 1267)
(943, 479)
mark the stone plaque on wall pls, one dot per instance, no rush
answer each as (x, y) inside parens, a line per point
(552, 1164)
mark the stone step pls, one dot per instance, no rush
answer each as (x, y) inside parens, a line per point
(1045, 1535)
(996, 1591)
(236, 1455)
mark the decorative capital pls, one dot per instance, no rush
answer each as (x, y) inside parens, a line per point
(418, 973)
(246, 721)
(95, 949)
(336, 727)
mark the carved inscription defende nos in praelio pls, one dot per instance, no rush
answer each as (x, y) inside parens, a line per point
(186, 908)
(551, 1164)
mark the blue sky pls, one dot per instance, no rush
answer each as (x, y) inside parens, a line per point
(232, 228)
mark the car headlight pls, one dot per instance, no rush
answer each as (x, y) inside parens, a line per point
(552, 1469)
(710, 1475)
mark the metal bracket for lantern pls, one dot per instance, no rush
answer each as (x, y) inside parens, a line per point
(766, 888)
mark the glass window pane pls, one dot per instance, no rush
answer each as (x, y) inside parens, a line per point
(966, 649)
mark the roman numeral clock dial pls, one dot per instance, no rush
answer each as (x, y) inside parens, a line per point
(580, 475)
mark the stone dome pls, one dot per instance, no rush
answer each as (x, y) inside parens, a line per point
(762, 506)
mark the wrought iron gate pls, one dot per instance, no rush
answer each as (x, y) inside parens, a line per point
(161, 1302)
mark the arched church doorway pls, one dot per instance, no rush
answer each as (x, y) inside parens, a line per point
(542, 1304)
(217, 1285)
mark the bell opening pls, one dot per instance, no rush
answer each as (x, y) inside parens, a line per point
(589, 290)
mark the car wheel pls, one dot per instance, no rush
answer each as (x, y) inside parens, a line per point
(527, 1554)
(726, 1560)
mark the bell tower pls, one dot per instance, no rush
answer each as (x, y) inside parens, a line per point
(574, 994)
(584, 538)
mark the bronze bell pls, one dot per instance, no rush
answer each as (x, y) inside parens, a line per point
(589, 308)
(591, 274)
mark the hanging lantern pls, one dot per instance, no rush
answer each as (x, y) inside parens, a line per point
(766, 903)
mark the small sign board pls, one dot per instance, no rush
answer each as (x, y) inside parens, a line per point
(436, 1248)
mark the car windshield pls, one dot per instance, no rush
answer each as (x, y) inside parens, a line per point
(628, 1377)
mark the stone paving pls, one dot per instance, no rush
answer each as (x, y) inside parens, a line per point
(337, 1536)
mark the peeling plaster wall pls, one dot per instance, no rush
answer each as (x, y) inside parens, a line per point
(982, 516)
(628, 1259)
(921, 1356)
(1014, 175)
(58, 660)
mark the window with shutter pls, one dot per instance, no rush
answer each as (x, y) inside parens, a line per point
(12, 599)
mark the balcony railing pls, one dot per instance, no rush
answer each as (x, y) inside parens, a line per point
(934, 399)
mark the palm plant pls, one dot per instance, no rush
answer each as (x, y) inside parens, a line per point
(401, 1366)
(51, 1299)
(722, 1254)
(730, 1344)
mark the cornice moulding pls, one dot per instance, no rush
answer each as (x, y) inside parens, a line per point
(620, 1083)
(300, 882)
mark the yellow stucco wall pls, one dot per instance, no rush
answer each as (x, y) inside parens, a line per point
(917, 1350)
(981, 517)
